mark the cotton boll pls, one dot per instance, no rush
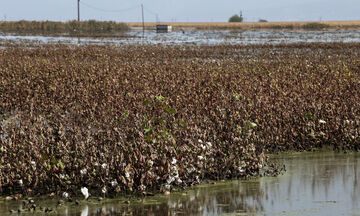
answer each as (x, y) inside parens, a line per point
(83, 171)
(103, 190)
(85, 192)
(65, 195)
(114, 183)
(127, 174)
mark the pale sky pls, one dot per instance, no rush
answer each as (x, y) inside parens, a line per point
(181, 10)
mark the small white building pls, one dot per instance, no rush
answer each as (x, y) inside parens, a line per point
(163, 28)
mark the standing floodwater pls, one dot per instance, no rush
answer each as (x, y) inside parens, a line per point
(198, 37)
(314, 184)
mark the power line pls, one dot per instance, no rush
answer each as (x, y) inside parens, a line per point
(111, 11)
(151, 12)
(117, 11)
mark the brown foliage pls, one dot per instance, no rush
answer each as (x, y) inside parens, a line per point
(73, 28)
(125, 118)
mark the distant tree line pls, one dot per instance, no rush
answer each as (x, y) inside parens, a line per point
(240, 18)
(71, 27)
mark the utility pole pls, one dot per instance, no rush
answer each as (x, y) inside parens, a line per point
(78, 10)
(143, 22)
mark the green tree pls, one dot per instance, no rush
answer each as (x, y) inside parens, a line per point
(236, 18)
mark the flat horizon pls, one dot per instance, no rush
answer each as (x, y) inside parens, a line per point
(306, 21)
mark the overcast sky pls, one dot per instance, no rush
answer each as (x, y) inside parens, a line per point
(181, 10)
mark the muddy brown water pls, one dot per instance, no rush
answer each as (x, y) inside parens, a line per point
(323, 183)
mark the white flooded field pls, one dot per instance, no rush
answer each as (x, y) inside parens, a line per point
(199, 37)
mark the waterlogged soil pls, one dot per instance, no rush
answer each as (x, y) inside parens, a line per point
(323, 183)
(198, 37)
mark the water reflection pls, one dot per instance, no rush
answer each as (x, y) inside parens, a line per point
(326, 183)
(85, 211)
(315, 184)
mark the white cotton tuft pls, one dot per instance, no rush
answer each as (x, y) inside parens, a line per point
(322, 121)
(85, 192)
(83, 171)
(103, 190)
(114, 183)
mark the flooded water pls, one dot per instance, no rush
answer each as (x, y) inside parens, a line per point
(314, 184)
(202, 37)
